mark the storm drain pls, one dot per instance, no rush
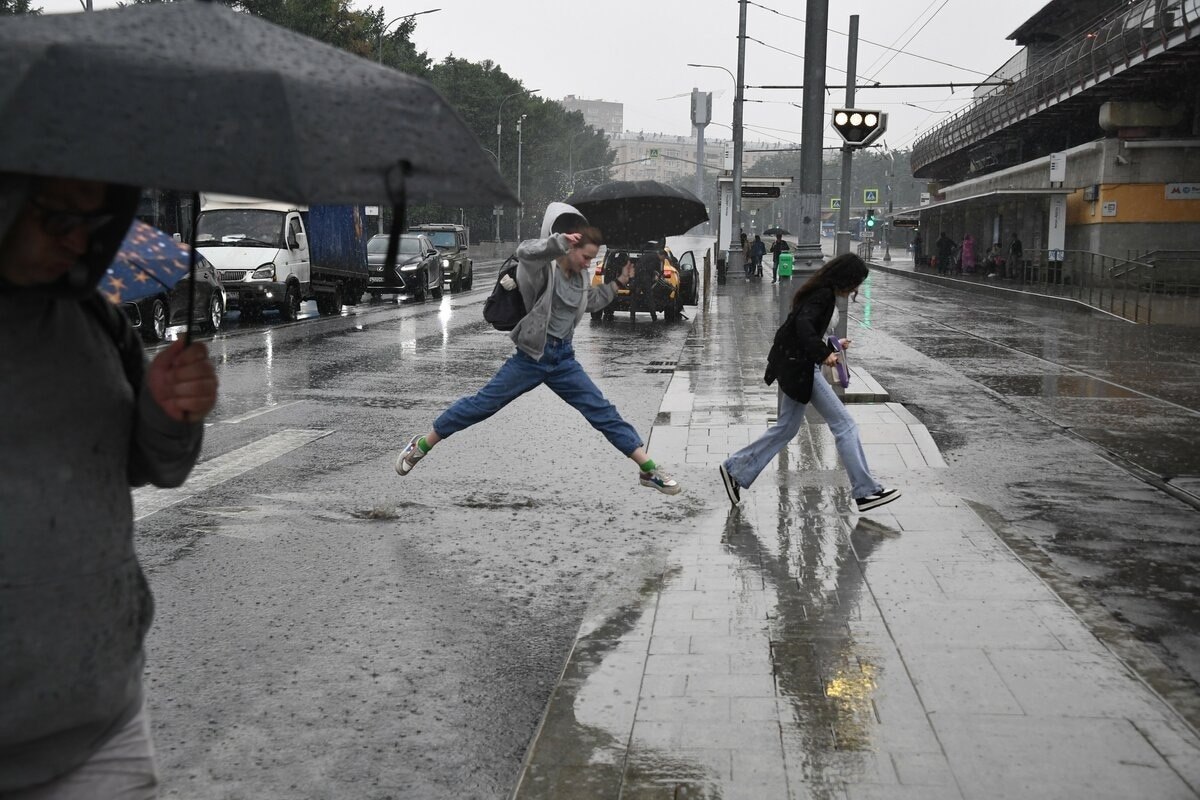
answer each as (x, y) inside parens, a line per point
(660, 366)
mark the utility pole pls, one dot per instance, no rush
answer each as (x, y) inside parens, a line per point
(843, 232)
(701, 116)
(887, 220)
(519, 144)
(739, 100)
(812, 136)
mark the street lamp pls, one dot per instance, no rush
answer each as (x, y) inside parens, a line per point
(384, 29)
(887, 220)
(519, 206)
(736, 207)
(499, 111)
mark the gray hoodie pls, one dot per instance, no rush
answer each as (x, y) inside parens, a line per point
(536, 273)
(76, 431)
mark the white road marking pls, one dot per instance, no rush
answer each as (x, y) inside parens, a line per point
(258, 412)
(150, 500)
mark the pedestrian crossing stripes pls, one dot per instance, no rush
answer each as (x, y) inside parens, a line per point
(150, 500)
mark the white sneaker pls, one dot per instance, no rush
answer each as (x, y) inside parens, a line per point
(657, 479)
(409, 456)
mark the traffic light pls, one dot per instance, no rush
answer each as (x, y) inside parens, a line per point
(870, 218)
(858, 126)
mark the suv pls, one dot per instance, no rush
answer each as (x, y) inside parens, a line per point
(675, 287)
(451, 241)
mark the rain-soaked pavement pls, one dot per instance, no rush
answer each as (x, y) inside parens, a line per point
(793, 649)
(1022, 623)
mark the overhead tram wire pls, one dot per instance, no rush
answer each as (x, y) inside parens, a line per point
(915, 34)
(902, 33)
(897, 51)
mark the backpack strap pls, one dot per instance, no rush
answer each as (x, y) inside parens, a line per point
(116, 325)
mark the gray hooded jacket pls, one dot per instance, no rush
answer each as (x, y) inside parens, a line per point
(536, 273)
(76, 431)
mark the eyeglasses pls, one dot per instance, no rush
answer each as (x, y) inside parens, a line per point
(56, 222)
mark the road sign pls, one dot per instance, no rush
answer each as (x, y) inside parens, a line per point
(835, 202)
(870, 197)
(653, 152)
(906, 222)
(760, 191)
(868, 234)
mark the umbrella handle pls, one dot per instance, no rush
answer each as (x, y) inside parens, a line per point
(187, 336)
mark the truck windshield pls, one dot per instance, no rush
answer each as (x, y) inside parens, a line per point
(442, 240)
(240, 227)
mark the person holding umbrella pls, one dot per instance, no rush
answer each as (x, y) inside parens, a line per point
(777, 249)
(82, 419)
(552, 281)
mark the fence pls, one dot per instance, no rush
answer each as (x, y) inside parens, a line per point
(1161, 287)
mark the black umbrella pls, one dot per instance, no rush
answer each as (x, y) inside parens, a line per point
(194, 96)
(629, 213)
(776, 232)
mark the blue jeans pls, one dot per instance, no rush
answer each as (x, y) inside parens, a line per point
(559, 370)
(746, 464)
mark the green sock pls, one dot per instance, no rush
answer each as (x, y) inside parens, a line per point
(649, 466)
(424, 445)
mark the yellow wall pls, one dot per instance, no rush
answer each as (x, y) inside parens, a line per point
(1136, 202)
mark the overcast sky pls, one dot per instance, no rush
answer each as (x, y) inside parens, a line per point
(635, 52)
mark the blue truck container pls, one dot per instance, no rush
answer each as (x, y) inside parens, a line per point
(337, 249)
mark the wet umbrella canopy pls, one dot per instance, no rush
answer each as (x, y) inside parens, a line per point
(147, 262)
(776, 232)
(631, 212)
(193, 96)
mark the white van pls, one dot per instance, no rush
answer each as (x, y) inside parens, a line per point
(260, 247)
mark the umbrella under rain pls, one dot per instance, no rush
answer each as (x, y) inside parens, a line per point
(147, 262)
(629, 213)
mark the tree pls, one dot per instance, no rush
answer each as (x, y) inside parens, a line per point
(17, 7)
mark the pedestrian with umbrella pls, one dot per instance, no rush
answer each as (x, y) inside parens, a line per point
(777, 249)
(82, 419)
(93, 105)
(552, 281)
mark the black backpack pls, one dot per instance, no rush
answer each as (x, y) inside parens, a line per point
(505, 307)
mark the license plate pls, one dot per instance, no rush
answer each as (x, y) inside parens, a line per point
(374, 279)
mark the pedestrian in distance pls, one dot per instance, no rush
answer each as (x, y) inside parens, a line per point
(83, 419)
(916, 248)
(552, 279)
(1016, 257)
(757, 250)
(777, 249)
(967, 254)
(944, 247)
(614, 265)
(646, 274)
(801, 347)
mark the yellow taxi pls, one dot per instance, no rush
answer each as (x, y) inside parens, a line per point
(673, 288)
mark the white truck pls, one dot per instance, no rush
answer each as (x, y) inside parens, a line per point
(274, 255)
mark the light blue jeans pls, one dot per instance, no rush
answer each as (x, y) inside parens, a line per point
(746, 464)
(559, 370)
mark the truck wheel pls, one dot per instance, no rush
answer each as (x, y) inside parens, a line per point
(456, 281)
(336, 302)
(470, 281)
(289, 310)
(437, 287)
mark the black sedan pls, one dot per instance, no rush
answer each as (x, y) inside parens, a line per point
(418, 269)
(152, 315)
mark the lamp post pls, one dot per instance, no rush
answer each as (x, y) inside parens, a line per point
(383, 30)
(500, 111)
(734, 245)
(519, 206)
(887, 220)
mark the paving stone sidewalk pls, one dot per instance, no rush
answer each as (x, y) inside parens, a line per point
(794, 649)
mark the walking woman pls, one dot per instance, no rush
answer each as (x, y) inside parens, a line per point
(801, 348)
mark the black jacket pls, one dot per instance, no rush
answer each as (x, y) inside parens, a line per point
(800, 345)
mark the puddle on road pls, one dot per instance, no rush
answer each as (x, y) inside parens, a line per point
(1053, 386)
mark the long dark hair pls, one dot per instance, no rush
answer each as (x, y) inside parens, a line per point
(840, 273)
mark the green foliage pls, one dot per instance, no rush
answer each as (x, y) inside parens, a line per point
(8, 7)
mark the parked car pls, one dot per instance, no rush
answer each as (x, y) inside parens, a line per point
(676, 287)
(458, 269)
(152, 315)
(418, 269)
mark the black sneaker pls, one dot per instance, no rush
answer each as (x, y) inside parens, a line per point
(731, 486)
(880, 498)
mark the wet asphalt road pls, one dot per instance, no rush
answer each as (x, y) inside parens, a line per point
(327, 629)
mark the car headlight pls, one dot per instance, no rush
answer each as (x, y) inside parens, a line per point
(409, 268)
(445, 263)
(266, 272)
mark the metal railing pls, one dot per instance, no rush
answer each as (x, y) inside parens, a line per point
(1102, 47)
(1131, 288)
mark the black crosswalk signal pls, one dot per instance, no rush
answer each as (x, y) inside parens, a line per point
(858, 126)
